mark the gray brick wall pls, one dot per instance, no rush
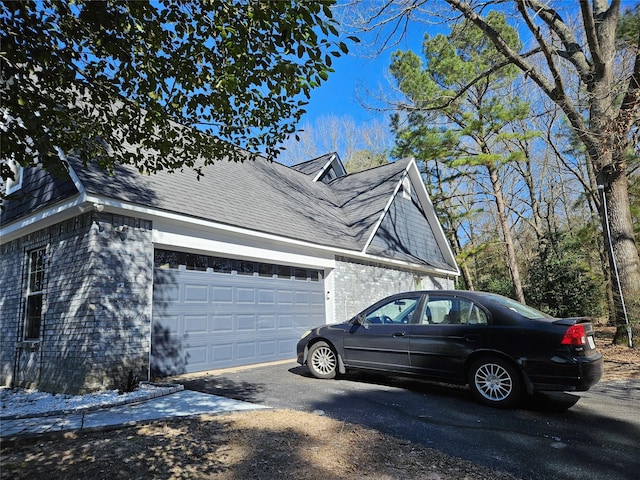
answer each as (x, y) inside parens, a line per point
(96, 308)
(358, 285)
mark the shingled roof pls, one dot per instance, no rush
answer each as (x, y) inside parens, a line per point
(356, 212)
(261, 196)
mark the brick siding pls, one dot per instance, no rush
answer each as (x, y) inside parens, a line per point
(97, 303)
(357, 285)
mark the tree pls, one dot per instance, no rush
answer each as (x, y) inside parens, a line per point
(470, 127)
(179, 79)
(561, 283)
(360, 146)
(604, 122)
(364, 160)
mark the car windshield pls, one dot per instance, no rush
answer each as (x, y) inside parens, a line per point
(524, 310)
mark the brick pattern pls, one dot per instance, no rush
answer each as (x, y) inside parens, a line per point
(358, 284)
(96, 310)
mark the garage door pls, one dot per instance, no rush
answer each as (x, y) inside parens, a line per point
(211, 312)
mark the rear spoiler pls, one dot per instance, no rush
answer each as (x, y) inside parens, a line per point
(572, 321)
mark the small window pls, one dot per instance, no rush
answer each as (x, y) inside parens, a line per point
(245, 268)
(166, 259)
(197, 262)
(266, 270)
(284, 271)
(35, 291)
(316, 275)
(221, 265)
(15, 184)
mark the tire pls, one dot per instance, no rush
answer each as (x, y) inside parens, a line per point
(495, 382)
(322, 361)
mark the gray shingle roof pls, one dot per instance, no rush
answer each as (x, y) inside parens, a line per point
(262, 196)
(312, 167)
(363, 196)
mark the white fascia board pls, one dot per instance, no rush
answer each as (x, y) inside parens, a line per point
(168, 240)
(44, 218)
(72, 173)
(417, 183)
(427, 205)
(51, 215)
(299, 247)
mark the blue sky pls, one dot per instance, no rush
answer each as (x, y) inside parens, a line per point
(359, 67)
(337, 96)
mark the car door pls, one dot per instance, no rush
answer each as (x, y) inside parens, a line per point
(448, 330)
(379, 337)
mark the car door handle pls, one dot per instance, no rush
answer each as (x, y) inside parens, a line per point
(398, 334)
(472, 338)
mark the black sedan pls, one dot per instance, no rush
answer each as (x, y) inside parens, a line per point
(499, 347)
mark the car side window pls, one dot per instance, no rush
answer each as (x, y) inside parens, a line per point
(452, 311)
(398, 310)
(476, 316)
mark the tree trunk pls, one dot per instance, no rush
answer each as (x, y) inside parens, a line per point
(506, 233)
(454, 240)
(622, 251)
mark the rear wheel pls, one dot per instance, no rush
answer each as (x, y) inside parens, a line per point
(322, 361)
(495, 382)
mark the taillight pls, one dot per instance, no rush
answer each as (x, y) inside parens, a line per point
(575, 335)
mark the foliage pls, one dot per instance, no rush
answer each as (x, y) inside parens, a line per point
(629, 26)
(461, 113)
(489, 269)
(179, 79)
(560, 282)
(364, 160)
(126, 378)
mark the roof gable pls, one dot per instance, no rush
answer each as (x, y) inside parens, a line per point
(405, 233)
(323, 169)
(363, 196)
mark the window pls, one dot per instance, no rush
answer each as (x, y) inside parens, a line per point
(15, 184)
(245, 268)
(398, 310)
(169, 259)
(453, 311)
(35, 290)
(222, 265)
(196, 262)
(406, 188)
(266, 269)
(284, 271)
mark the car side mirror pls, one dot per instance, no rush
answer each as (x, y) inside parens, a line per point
(362, 321)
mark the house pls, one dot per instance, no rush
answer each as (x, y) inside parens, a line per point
(151, 275)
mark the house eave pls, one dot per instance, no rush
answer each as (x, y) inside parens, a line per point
(84, 202)
(44, 218)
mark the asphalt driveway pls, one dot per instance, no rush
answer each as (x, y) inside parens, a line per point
(597, 438)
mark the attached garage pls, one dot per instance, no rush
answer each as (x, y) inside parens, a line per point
(211, 312)
(165, 274)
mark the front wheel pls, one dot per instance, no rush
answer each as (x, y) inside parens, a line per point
(322, 361)
(495, 382)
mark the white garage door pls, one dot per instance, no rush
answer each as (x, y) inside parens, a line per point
(211, 312)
